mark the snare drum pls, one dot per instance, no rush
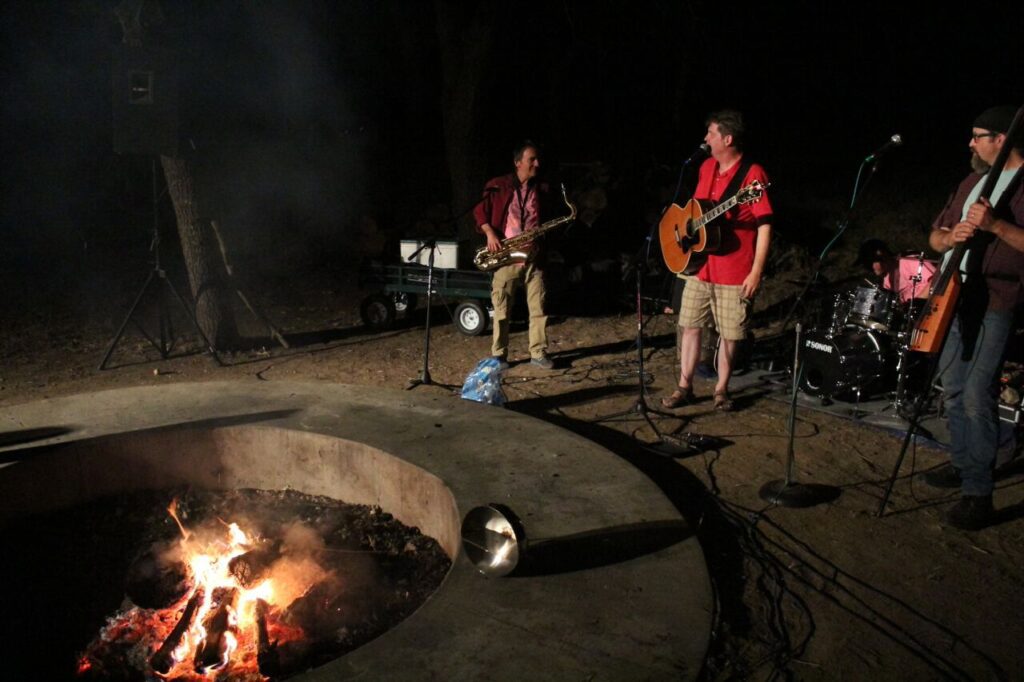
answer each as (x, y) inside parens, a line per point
(872, 308)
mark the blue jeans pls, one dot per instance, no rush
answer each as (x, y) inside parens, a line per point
(970, 389)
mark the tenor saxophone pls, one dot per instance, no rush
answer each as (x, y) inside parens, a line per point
(511, 250)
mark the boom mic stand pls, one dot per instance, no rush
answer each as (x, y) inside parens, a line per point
(787, 492)
(688, 443)
(844, 222)
(678, 446)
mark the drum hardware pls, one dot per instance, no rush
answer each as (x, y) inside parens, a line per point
(913, 267)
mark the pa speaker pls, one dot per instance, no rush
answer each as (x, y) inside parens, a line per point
(145, 89)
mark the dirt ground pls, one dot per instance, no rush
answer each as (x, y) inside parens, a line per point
(829, 592)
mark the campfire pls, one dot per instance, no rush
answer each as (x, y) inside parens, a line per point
(227, 600)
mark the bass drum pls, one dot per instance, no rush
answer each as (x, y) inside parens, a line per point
(839, 364)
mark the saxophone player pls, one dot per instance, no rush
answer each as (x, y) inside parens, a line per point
(513, 204)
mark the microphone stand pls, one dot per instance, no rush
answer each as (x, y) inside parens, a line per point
(787, 492)
(678, 446)
(431, 243)
(858, 191)
(424, 378)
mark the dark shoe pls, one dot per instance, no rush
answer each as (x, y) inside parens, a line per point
(502, 362)
(680, 397)
(972, 512)
(723, 403)
(544, 362)
(946, 477)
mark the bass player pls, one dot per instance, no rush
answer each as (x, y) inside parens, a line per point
(727, 281)
(993, 290)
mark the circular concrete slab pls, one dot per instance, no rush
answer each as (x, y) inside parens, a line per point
(612, 586)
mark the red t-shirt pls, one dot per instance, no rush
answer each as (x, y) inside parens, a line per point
(732, 262)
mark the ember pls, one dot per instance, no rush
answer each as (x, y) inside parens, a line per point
(254, 585)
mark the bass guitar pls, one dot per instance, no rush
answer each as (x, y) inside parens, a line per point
(931, 327)
(686, 233)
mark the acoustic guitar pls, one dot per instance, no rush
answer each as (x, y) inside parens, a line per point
(687, 235)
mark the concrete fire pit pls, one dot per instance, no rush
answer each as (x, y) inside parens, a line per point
(612, 585)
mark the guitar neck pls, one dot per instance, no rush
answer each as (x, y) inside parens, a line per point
(715, 212)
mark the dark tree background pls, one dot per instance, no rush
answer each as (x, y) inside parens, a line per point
(314, 124)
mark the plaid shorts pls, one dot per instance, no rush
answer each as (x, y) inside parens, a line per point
(724, 303)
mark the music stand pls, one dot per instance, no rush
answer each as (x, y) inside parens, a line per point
(166, 340)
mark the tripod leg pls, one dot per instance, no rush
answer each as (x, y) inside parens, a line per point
(195, 322)
(127, 318)
(273, 330)
(899, 460)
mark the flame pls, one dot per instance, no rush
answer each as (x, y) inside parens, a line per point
(172, 509)
(208, 552)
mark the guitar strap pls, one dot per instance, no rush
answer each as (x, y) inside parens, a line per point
(974, 296)
(737, 180)
(982, 239)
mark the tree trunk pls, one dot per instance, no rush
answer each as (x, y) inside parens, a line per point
(202, 259)
(465, 56)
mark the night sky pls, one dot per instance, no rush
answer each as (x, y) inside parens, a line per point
(305, 118)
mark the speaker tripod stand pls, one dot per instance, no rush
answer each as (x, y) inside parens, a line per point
(165, 341)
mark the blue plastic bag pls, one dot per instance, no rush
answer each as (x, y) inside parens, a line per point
(484, 383)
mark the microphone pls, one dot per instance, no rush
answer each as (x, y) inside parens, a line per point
(702, 150)
(894, 141)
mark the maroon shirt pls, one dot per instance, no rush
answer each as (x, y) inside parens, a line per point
(1002, 265)
(499, 193)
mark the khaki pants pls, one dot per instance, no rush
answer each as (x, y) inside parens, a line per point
(503, 288)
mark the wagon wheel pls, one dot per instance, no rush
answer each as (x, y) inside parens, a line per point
(470, 318)
(405, 302)
(378, 311)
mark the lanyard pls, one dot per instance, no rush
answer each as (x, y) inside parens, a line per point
(521, 199)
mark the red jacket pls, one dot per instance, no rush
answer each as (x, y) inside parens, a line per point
(498, 193)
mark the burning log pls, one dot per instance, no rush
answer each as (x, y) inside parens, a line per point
(163, 660)
(220, 625)
(266, 652)
(251, 567)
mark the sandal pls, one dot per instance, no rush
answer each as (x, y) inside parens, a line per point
(681, 396)
(723, 403)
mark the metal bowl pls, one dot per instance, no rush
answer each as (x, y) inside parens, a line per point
(493, 539)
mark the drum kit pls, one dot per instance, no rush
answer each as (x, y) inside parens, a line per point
(864, 348)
